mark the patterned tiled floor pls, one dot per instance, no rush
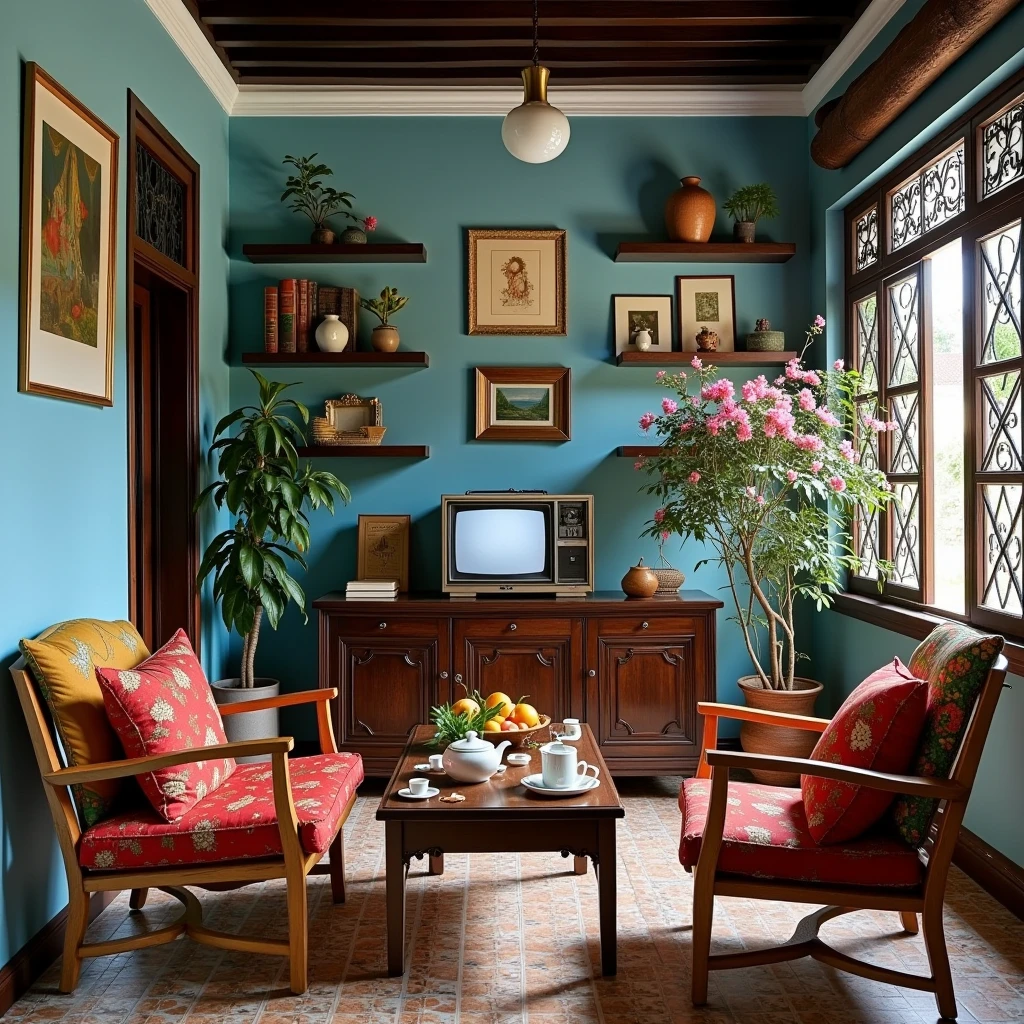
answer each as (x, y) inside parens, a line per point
(513, 938)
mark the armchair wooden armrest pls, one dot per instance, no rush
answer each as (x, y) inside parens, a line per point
(320, 697)
(278, 745)
(914, 785)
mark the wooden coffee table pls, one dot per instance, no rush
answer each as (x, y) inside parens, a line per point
(498, 816)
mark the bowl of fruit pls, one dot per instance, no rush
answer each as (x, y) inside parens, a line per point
(495, 717)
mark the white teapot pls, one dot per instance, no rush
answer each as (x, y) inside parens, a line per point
(472, 759)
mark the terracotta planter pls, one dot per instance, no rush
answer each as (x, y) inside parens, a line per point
(253, 725)
(384, 339)
(322, 236)
(770, 739)
(690, 212)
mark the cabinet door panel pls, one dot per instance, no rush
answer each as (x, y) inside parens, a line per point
(649, 693)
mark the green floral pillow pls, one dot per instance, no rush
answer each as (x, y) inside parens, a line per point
(955, 660)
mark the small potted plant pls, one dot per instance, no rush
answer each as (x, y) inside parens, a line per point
(747, 205)
(266, 492)
(310, 197)
(385, 336)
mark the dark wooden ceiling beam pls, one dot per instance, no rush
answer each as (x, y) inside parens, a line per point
(490, 76)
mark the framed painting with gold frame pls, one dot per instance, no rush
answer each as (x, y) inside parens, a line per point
(68, 246)
(517, 281)
(383, 549)
(523, 403)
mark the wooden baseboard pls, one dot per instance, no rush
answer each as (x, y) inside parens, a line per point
(18, 974)
(994, 872)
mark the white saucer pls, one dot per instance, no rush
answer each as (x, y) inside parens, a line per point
(535, 784)
(431, 791)
(519, 759)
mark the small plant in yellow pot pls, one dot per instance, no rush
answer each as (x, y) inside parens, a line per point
(385, 337)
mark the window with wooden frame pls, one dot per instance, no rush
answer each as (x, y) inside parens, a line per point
(933, 307)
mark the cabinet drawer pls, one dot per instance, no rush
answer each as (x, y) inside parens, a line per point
(511, 626)
(648, 625)
(383, 625)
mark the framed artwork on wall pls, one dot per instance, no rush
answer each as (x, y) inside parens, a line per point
(383, 549)
(523, 403)
(517, 281)
(635, 313)
(68, 246)
(707, 303)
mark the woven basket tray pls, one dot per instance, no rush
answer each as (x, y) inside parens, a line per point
(669, 580)
(324, 433)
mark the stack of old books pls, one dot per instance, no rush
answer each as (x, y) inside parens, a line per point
(372, 590)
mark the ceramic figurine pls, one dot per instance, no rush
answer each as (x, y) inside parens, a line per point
(707, 340)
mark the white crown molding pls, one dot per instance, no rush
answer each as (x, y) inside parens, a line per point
(395, 101)
(852, 45)
(623, 101)
(181, 27)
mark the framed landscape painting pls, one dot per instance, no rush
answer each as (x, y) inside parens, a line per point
(707, 302)
(522, 403)
(517, 281)
(69, 218)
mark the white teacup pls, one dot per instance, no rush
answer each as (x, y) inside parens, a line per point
(436, 762)
(560, 768)
(419, 787)
(568, 732)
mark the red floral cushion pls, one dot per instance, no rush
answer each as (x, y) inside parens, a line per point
(235, 823)
(163, 705)
(877, 727)
(955, 660)
(766, 836)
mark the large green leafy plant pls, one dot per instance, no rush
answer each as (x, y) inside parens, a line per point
(768, 478)
(308, 194)
(267, 492)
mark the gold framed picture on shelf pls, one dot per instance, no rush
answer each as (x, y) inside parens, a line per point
(383, 549)
(517, 281)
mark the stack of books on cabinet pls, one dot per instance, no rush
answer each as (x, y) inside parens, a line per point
(372, 590)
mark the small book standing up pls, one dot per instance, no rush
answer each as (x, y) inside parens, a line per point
(314, 319)
(270, 319)
(302, 317)
(286, 315)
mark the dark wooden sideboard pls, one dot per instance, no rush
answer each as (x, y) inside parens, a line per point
(633, 669)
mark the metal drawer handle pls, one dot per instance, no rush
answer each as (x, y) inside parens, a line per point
(592, 673)
(444, 675)
(512, 627)
(384, 625)
(458, 677)
(643, 625)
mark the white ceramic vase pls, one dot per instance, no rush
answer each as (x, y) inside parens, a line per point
(642, 340)
(332, 334)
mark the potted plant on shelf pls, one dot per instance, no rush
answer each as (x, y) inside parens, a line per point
(267, 494)
(309, 197)
(385, 337)
(767, 477)
(749, 204)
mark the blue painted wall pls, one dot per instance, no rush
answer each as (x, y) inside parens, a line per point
(63, 516)
(846, 649)
(427, 180)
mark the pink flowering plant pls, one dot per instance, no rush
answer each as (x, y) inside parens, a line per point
(768, 475)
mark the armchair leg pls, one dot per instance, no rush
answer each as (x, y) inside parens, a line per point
(909, 921)
(938, 959)
(78, 920)
(298, 925)
(337, 865)
(138, 898)
(703, 913)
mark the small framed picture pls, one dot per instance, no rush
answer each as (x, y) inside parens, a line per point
(707, 303)
(517, 281)
(384, 549)
(636, 313)
(522, 403)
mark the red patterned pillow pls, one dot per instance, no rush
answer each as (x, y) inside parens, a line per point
(877, 727)
(162, 705)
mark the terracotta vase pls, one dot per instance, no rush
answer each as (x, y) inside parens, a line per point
(322, 236)
(640, 581)
(690, 212)
(770, 739)
(384, 339)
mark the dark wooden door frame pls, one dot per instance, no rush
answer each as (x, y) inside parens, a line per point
(144, 128)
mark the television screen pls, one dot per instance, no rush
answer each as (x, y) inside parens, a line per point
(500, 542)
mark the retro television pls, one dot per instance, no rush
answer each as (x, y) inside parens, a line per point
(517, 542)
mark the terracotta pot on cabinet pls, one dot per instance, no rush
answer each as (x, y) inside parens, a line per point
(690, 212)
(770, 739)
(640, 581)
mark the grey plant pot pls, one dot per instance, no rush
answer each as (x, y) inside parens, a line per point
(253, 725)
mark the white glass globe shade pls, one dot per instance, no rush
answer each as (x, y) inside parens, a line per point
(535, 132)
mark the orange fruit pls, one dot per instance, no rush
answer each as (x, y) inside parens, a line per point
(526, 715)
(466, 707)
(498, 698)
(492, 726)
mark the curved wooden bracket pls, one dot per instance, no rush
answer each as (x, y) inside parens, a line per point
(623, 659)
(625, 725)
(363, 725)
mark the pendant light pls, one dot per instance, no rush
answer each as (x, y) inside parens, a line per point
(535, 132)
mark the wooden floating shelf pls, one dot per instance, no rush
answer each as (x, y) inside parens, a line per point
(704, 252)
(709, 358)
(400, 358)
(370, 252)
(636, 451)
(365, 451)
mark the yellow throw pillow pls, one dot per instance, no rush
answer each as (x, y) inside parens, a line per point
(63, 660)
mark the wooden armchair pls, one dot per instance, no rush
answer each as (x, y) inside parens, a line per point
(903, 879)
(288, 853)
